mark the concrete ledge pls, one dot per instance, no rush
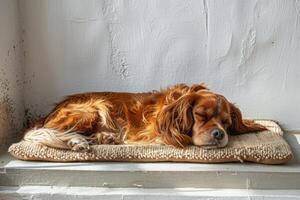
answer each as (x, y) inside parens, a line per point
(150, 175)
(153, 175)
(69, 193)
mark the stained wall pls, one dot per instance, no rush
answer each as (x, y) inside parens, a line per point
(11, 73)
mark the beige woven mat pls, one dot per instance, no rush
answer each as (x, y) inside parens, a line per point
(266, 147)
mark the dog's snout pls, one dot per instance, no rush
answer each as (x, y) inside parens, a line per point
(217, 134)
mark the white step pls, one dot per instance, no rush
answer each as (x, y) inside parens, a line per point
(150, 175)
(83, 193)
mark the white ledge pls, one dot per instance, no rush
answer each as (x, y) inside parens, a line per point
(47, 192)
(154, 167)
(150, 175)
(154, 175)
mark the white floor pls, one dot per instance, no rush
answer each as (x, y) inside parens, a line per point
(68, 193)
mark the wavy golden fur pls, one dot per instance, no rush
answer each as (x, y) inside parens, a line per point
(178, 116)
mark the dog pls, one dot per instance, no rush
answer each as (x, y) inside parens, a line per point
(180, 115)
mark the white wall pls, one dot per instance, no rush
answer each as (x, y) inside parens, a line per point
(247, 50)
(11, 74)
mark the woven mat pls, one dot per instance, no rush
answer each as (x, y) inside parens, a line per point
(266, 147)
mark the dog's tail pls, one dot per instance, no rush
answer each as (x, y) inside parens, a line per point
(50, 137)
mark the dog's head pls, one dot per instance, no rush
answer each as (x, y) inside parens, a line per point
(198, 116)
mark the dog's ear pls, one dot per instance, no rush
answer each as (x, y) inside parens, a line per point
(240, 125)
(175, 121)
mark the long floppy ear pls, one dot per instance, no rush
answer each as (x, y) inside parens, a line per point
(240, 125)
(175, 121)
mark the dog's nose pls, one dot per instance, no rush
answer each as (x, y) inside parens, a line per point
(217, 134)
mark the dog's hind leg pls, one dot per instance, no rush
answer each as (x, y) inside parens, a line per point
(71, 125)
(57, 139)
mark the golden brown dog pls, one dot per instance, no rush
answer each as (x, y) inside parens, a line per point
(178, 116)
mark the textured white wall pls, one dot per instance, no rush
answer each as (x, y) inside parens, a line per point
(247, 50)
(11, 74)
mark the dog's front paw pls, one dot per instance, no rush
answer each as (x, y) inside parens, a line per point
(79, 144)
(107, 138)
